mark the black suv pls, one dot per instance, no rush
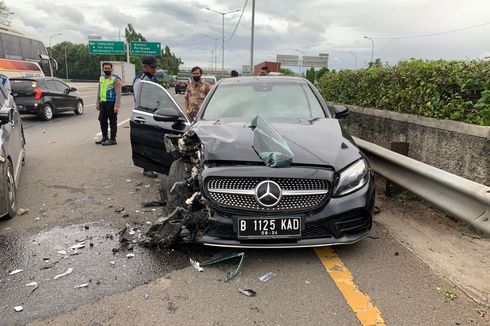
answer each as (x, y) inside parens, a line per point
(45, 96)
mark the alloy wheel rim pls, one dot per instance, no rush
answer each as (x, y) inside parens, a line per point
(48, 111)
(10, 188)
(79, 107)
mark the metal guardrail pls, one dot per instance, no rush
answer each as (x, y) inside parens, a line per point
(459, 197)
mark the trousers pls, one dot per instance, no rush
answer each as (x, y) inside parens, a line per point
(107, 113)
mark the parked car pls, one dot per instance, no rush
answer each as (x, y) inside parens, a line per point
(265, 165)
(45, 96)
(181, 84)
(210, 79)
(12, 154)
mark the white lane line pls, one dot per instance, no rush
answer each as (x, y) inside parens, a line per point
(119, 124)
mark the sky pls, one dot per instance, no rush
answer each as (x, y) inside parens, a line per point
(336, 27)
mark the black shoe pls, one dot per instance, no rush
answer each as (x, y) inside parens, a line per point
(109, 142)
(150, 174)
(100, 141)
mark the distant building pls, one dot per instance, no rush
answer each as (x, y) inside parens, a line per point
(273, 67)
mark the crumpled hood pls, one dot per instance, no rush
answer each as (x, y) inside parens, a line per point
(318, 142)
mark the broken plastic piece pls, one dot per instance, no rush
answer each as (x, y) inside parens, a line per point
(17, 271)
(229, 275)
(165, 232)
(196, 265)
(78, 246)
(68, 271)
(32, 284)
(146, 296)
(191, 199)
(155, 203)
(81, 286)
(18, 308)
(248, 292)
(130, 256)
(269, 145)
(22, 211)
(266, 277)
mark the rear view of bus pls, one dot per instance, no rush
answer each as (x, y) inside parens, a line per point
(21, 56)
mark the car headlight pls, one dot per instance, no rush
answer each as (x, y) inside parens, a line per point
(352, 178)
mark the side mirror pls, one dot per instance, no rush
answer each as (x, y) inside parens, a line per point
(340, 111)
(73, 89)
(167, 114)
(5, 116)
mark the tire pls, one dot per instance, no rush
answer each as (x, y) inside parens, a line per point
(47, 112)
(10, 191)
(79, 109)
(178, 172)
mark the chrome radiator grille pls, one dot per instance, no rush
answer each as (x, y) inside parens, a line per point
(241, 193)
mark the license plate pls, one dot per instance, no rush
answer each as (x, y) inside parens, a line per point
(20, 107)
(269, 228)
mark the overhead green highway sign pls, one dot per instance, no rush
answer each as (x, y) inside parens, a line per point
(145, 48)
(106, 47)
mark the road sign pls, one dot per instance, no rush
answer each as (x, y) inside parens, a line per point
(288, 60)
(106, 47)
(246, 69)
(316, 61)
(145, 48)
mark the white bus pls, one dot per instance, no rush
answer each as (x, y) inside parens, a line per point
(21, 56)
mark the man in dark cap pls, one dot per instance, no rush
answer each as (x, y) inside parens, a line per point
(149, 71)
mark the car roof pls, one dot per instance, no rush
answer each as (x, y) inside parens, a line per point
(262, 80)
(34, 78)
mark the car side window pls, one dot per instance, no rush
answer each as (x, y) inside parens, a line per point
(50, 85)
(3, 96)
(61, 87)
(153, 98)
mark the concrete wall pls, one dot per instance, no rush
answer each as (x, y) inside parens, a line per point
(459, 148)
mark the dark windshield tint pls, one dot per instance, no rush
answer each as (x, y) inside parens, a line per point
(270, 100)
(22, 85)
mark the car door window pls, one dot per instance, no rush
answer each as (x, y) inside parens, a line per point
(61, 87)
(51, 86)
(153, 97)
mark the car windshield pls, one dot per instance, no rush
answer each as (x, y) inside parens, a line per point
(183, 80)
(22, 85)
(270, 100)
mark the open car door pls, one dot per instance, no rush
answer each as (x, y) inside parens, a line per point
(155, 115)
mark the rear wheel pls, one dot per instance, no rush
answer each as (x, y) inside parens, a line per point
(79, 109)
(47, 112)
(10, 191)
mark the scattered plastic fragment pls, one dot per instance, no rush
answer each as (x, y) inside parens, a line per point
(438, 289)
(32, 284)
(78, 246)
(146, 296)
(130, 256)
(248, 292)
(17, 271)
(81, 286)
(266, 277)
(307, 282)
(128, 180)
(18, 308)
(450, 295)
(229, 275)
(22, 211)
(52, 142)
(196, 265)
(68, 271)
(481, 313)
(113, 263)
(119, 210)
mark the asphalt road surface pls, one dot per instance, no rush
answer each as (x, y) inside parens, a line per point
(79, 192)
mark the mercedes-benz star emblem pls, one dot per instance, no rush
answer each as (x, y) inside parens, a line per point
(268, 193)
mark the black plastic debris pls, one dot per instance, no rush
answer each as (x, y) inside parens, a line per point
(155, 203)
(165, 232)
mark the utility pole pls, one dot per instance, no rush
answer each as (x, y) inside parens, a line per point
(50, 38)
(355, 58)
(223, 37)
(215, 51)
(127, 52)
(252, 35)
(372, 48)
(66, 64)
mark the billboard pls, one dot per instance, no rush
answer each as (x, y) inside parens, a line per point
(316, 61)
(288, 59)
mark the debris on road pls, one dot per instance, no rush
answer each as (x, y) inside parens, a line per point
(49, 266)
(68, 271)
(481, 313)
(229, 275)
(146, 296)
(196, 265)
(119, 210)
(266, 277)
(450, 295)
(52, 142)
(33, 285)
(248, 292)
(78, 246)
(18, 308)
(130, 256)
(17, 271)
(22, 211)
(81, 286)
(62, 252)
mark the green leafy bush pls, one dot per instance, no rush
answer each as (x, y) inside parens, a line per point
(455, 90)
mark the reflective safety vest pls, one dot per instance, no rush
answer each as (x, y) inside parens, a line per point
(108, 88)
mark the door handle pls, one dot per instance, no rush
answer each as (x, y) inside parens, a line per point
(139, 120)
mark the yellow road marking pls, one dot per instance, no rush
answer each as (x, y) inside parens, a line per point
(367, 313)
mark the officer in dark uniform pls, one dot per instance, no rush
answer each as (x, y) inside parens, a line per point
(149, 71)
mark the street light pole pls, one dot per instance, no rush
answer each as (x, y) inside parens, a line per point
(252, 35)
(66, 64)
(50, 38)
(372, 48)
(223, 37)
(355, 58)
(215, 51)
(301, 65)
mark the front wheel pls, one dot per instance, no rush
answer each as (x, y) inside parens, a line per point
(47, 112)
(10, 190)
(79, 109)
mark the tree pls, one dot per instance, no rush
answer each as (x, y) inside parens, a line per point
(5, 14)
(168, 61)
(310, 74)
(375, 63)
(288, 72)
(321, 72)
(132, 36)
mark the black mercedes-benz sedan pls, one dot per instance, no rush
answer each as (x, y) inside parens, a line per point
(264, 165)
